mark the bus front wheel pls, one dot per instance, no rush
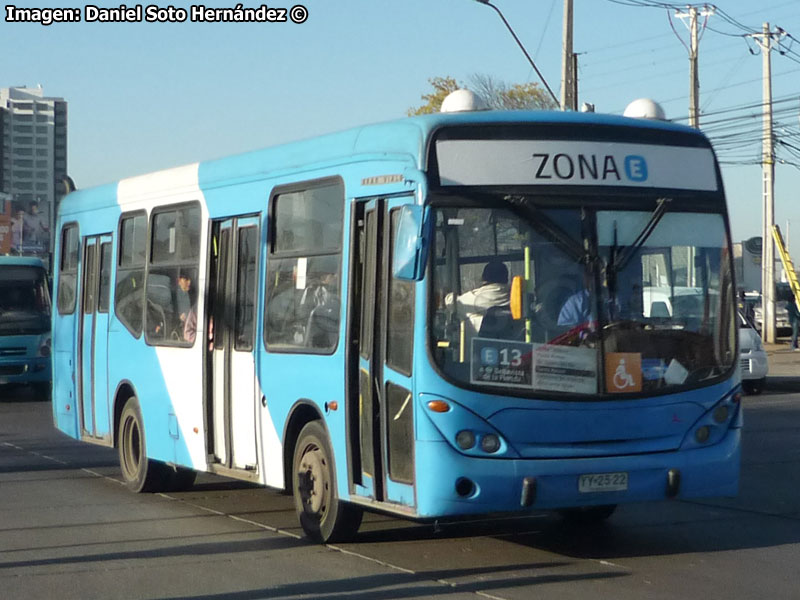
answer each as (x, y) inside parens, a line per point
(138, 472)
(322, 515)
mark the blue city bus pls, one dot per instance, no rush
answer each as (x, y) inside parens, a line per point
(25, 324)
(315, 317)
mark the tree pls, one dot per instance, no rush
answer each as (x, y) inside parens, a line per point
(442, 86)
(498, 95)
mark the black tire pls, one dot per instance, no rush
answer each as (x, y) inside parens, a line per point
(588, 515)
(139, 473)
(41, 391)
(753, 387)
(323, 517)
(180, 479)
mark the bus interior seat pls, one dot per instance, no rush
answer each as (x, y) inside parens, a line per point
(498, 323)
(659, 309)
(322, 329)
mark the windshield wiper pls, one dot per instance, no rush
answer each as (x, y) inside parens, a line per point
(547, 228)
(626, 253)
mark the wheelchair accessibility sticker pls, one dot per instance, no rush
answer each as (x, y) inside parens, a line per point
(623, 372)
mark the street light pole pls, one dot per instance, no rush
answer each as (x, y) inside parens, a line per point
(524, 51)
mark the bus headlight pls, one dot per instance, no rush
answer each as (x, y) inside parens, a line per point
(721, 413)
(702, 434)
(44, 349)
(465, 439)
(490, 443)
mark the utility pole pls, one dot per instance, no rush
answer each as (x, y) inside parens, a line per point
(694, 78)
(569, 96)
(766, 40)
(768, 177)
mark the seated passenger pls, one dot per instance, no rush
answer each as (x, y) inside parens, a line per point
(472, 306)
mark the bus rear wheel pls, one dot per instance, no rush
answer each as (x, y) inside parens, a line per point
(139, 473)
(323, 517)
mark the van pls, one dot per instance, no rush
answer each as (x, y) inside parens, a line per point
(25, 341)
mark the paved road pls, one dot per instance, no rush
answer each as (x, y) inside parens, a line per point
(69, 529)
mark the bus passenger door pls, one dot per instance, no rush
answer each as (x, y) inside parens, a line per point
(381, 404)
(233, 278)
(93, 344)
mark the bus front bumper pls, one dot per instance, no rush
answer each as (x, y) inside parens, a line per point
(460, 484)
(25, 370)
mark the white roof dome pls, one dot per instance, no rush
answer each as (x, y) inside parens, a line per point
(645, 108)
(461, 101)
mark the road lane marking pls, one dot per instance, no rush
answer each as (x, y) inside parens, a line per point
(419, 574)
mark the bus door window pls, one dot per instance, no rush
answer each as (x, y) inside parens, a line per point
(105, 278)
(246, 280)
(367, 415)
(90, 288)
(399, 357)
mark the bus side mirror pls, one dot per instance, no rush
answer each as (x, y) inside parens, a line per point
(516, 297)
(410, 246)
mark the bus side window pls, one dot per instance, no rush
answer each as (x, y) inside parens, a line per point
(171, 288)
(129, 290)
(304, 270)
(68, 270)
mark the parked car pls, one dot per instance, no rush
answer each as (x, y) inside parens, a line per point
(782, 326)
(752, 358)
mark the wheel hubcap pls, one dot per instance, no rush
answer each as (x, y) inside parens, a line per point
(313, 481)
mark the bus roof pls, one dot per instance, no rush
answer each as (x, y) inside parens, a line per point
(21, 261)
(403, 138)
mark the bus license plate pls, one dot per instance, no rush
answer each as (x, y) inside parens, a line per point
(603, 482)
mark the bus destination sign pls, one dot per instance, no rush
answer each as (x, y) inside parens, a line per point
(551, 162)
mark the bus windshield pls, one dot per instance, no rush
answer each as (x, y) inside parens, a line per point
(613, 301)
(24, 301)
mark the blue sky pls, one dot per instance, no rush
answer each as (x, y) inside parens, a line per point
(145, 96)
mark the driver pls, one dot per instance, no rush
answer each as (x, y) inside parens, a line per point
(578, 309)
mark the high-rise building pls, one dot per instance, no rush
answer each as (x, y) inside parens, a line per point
(33, 160)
